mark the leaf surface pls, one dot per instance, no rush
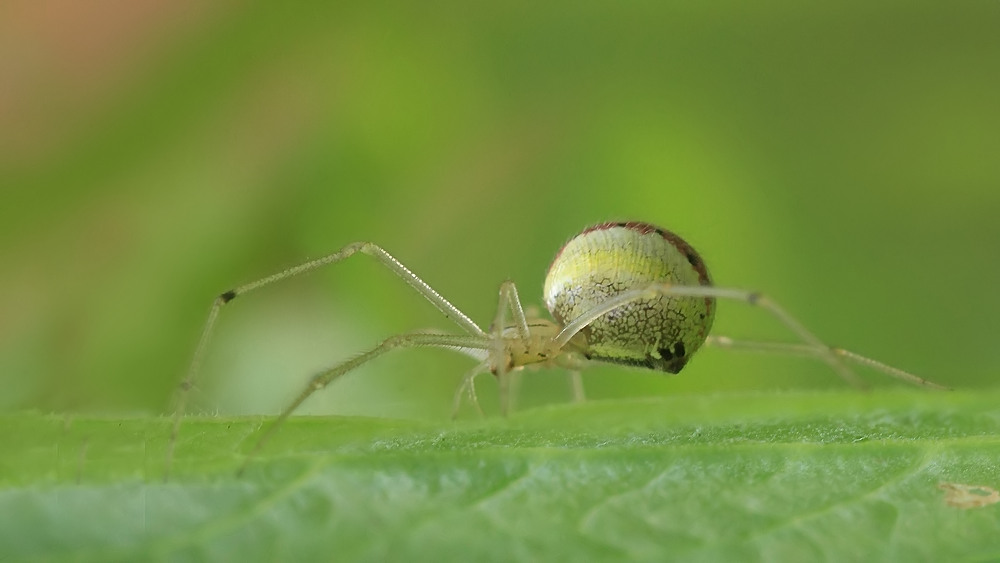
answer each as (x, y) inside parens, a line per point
(779, 476)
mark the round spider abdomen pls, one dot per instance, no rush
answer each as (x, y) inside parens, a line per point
(660, 333)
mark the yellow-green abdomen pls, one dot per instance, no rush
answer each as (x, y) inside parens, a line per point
(607, 259)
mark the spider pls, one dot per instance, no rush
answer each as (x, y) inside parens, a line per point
(627, 293)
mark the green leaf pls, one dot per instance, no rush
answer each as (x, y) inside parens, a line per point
(779, 477)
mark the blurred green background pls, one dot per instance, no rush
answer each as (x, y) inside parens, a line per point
(842, 158)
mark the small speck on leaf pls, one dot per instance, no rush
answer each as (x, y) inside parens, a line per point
(968, 496)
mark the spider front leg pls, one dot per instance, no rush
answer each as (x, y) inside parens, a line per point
(383, 257)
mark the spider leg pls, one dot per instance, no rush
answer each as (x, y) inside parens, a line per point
(576, 384)
(324, 378)
(383, 257)
(509, 301)
(468, 386)
(789, 348)
(832, 356)
(504, 390)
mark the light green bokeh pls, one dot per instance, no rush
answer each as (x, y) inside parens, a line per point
(841, 158)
